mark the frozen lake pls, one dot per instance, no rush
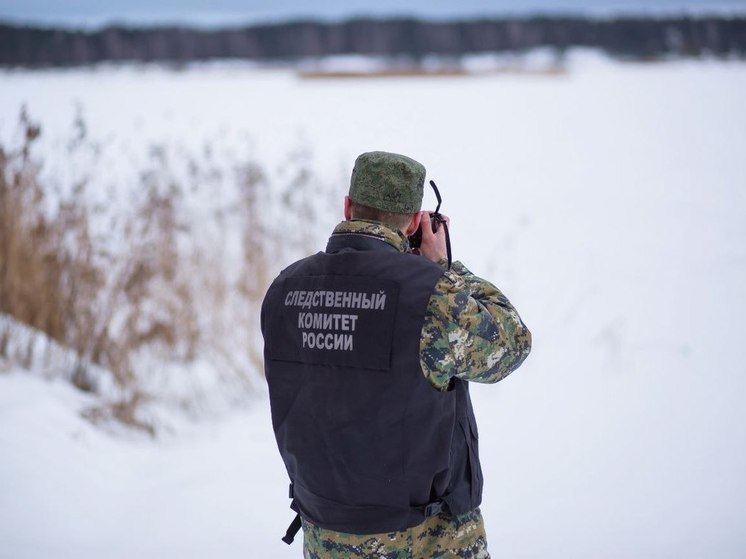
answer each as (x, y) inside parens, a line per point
(608, 203)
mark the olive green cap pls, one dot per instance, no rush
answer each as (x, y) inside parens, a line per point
(387, 181)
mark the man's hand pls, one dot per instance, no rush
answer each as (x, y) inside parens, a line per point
(433, 245)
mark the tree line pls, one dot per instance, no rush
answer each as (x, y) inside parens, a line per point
(624, 37)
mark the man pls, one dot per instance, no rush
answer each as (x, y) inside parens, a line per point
(368, 352)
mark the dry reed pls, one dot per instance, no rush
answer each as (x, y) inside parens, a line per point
(166, 296)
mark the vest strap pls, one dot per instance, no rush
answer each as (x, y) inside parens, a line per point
(292, 530)
(296, 523)
(432, 509)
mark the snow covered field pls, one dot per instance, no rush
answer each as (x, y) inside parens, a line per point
(608, 203)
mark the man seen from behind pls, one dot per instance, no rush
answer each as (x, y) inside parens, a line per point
(369, 350)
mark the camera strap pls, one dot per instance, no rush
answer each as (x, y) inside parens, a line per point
(448, 243)
(441, 220)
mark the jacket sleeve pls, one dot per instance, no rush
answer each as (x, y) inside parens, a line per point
(471, 331)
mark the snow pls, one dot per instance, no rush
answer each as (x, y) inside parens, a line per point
(73, 490)
(608, 203)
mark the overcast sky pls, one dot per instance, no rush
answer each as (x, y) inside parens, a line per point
(91, 13)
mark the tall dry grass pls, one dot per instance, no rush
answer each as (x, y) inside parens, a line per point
(158, 287)
(39, 282)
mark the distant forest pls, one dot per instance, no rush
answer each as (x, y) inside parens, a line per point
(623, 37)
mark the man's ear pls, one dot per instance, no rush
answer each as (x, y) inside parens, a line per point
(347, 210)
(414, 224)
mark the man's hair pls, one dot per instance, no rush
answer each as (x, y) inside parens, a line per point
(359, 211)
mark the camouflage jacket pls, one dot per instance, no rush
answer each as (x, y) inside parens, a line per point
(470, 331)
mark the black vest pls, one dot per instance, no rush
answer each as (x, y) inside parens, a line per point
(369, 445)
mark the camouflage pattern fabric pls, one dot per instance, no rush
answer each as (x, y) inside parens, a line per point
(387, 181)
(376, 229)
(439, 537)
(471, 331)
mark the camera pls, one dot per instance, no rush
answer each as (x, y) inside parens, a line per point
(415, 239)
